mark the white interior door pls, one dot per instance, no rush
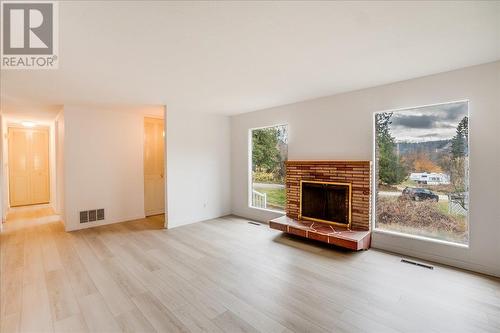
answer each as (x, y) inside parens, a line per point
(28, 166)
(154, 166)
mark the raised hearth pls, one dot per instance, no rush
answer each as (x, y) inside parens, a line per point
(350, 239)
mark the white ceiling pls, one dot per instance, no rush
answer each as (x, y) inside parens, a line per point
(234, 57)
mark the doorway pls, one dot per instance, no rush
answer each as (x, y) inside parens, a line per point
(28, 161)
(154, 166)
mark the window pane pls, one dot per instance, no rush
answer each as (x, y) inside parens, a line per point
(269, 153)
(422, 158)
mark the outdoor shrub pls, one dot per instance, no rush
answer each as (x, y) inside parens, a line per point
(421, 215)
(266, 178)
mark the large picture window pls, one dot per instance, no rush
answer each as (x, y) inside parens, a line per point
(269, 151)
(421, 167)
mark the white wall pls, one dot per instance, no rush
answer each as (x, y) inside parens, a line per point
(198, 167)
(5, 168)
(2, 180)
(103, 164)
(59, 170)
(340, 127)
(54, 195)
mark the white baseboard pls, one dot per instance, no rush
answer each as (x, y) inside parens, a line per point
(103, 222)
(176, 224)
(470, 266)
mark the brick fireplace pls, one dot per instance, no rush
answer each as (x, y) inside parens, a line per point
(357, 173)
(354, 174)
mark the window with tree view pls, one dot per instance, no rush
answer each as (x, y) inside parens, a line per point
(422, 157)
(269, 152)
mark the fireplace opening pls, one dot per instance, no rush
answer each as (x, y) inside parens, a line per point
(326, 202)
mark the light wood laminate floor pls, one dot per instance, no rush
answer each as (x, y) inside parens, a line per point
(223, 275)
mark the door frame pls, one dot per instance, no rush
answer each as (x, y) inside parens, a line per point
(165, 158)
(49, 162)
(9, 121)
(153, 120)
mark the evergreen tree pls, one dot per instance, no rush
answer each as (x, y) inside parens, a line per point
(459, 143)
(460, 152)
(390, 168)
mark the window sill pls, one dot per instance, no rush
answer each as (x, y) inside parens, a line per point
(268, 210)
(421, 238)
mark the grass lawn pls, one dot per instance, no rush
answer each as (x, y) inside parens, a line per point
(443, 206)
(276, 198)
(408, 183)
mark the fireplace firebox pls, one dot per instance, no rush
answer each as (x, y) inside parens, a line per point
(326, 202)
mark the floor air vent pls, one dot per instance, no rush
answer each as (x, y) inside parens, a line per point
(84, 216)
(254, 223)
(411, 262)
(92, 215)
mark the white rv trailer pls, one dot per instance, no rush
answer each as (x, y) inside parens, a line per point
(430, 178)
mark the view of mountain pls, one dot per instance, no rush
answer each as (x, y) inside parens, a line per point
(433, 149)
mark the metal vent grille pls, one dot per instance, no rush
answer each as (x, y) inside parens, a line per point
(84, 217)
(419, 264)
(92, 215)
(100, 214)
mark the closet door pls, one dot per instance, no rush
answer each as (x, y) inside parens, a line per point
(39, 172)
(28, 166)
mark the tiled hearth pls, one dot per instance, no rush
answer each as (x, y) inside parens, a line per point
(353, 240)
(357, 173)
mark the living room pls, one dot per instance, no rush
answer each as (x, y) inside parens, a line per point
(250, 166)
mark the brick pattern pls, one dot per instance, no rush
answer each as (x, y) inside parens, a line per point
(358, 173)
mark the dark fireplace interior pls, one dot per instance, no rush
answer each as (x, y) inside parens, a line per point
(325, 201)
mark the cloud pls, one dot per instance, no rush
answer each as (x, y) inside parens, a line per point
(428, 123)
(413, 121)
(453, 111)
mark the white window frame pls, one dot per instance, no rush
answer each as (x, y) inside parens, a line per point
(249, 167)
(374, 182)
